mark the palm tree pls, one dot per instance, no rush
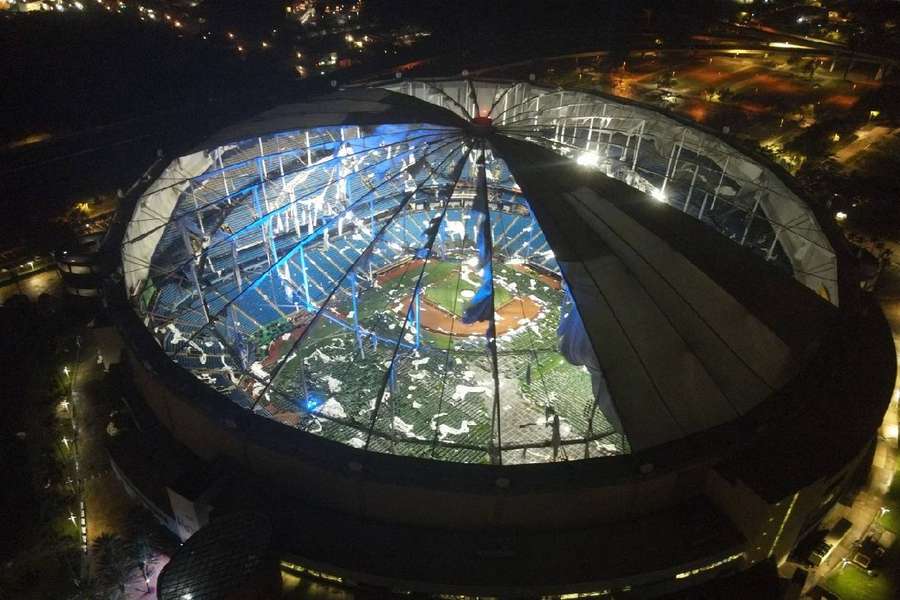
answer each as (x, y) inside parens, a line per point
(146, 539)
(88, 589)
(140, 522)
(142, 552)
(113, 562)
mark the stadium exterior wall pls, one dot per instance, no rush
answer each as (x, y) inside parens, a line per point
(428, 494)
(441, 498)
(556, 496)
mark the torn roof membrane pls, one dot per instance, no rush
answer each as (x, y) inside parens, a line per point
(450, 292)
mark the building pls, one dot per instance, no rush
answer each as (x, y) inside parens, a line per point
(487, 338)
(80, 266)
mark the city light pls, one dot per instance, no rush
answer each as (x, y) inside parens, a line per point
(840, 216)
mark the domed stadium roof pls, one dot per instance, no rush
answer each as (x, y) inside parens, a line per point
(480, 271)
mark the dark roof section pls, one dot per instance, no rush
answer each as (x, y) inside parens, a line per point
(840, 400)
(357, 106)
(690, 329)
(786, 306)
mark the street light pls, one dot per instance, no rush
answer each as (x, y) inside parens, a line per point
(66, 370)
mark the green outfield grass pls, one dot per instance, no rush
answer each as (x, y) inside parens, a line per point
(443, 286)
(329, 355)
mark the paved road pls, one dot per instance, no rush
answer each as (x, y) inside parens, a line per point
(47, 282)
(866, 137)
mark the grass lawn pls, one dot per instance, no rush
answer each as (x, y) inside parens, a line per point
(891, 520)
(853, 584)
(443, 283)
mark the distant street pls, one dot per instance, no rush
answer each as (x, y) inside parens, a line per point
(47, 282)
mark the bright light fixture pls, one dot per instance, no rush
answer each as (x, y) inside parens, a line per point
(588, 159)
(658, 195)
(840, 216)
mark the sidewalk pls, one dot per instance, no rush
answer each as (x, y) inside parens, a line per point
(106, 502)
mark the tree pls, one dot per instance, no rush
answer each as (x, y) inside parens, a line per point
(89, 589)
(113, 562)
(140, 522)
(146, 539)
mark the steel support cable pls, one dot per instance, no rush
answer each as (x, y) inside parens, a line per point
(353, 205)
(525, 101)
(474, 97)
(450, 353)
(443, 93)
(349, 423)
(457, 173)
(534, 351)
(398, 342)
(722, 199)
(256, 223)
(299, 244)
(525, 131)
(365, 253)
(378, 236)
(273, 179)
(221, 241)
(481, 182)
(531, 114)
(501, 97)
(619, 323)
(329, 130)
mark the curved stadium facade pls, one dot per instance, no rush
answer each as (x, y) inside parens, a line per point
(494, 329)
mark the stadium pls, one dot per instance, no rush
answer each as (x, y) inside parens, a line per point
(517, 326)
